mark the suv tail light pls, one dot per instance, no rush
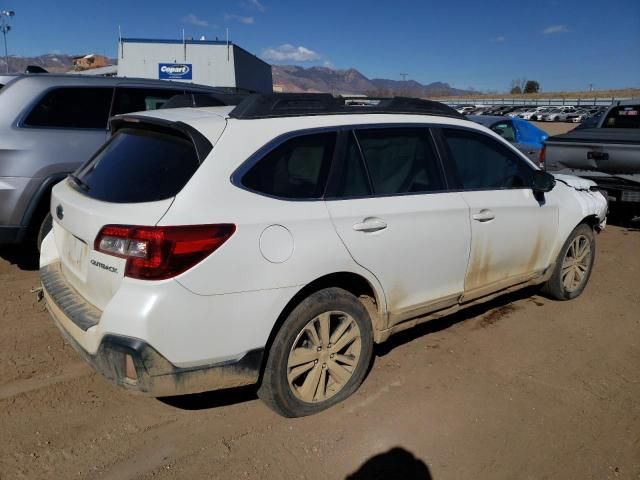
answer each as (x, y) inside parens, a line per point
(543, 155)
(158, 253)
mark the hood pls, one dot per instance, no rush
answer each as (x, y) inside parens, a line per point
(576, 182)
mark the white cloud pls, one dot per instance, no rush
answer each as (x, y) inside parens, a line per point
(327, 64)
(240, 18)
(555, 29)
(499, 39)
(288, 52)
(194, 20)
(257, 5)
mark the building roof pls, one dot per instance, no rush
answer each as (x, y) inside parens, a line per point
(169, 41)
(175, 41)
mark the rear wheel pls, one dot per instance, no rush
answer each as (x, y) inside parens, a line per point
(320, 355)
(573, 266)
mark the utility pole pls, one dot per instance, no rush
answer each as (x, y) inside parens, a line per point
(5, 29)
(404, 76)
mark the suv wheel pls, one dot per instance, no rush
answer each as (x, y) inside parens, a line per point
(320, 355)
(573, 266)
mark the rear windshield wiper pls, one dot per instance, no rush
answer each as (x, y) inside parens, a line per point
(79, 183)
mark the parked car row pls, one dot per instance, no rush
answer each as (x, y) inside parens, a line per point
(564, 113)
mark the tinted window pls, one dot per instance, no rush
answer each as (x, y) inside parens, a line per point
(482, 163)
(623, 117)
(400, 160)
(296, 169)
(139, 166)
(353, 178)
(505, 130)
(129, 100)
(72, 108)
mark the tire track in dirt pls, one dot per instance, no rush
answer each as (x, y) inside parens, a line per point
(23, 386)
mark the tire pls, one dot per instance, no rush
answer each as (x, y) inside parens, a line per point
(45, 227)
(318, 374)
(576, 278)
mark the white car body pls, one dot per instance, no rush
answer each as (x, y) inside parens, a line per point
(440, 252)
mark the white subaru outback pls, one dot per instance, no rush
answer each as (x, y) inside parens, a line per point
(275, 242)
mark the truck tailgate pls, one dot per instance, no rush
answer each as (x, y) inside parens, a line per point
(614, 151)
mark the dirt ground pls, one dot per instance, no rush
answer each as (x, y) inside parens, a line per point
(555, 128)
(522, 388)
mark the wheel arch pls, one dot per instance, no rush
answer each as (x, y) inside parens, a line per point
(372, 297)
(41, 198)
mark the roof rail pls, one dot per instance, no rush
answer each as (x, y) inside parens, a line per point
(197, 100)
(274, 105)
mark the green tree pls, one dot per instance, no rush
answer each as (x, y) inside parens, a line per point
(515, 90)
(532, 87)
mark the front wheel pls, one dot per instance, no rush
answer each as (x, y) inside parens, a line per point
(319, 356)
(573, 266)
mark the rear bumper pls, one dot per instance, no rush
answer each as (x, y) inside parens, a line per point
(154, 374)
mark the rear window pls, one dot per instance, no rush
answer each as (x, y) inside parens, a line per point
(623, 117)
(297, 169)
(78, 108)
(138, 165)
(129, 100)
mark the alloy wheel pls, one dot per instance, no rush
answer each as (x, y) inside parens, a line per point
(324, 356)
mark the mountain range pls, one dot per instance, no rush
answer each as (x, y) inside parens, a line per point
(291, 78)
(287, 78)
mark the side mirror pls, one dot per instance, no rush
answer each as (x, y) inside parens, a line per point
(542, 181)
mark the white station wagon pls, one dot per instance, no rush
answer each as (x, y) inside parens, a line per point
(275, 242)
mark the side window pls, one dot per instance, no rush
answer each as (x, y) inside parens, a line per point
(353, 178)
(484, 164)
(129, 100)
(400, 160)
(72, 108)
(623, 117)
(505, 130)
(296, 169)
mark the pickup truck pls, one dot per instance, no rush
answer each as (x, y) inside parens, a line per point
(608, 153)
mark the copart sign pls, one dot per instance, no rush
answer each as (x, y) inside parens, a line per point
(175, 71)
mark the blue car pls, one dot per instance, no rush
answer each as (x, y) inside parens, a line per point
(525, 136)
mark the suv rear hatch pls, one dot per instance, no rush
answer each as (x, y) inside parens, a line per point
(131, 181)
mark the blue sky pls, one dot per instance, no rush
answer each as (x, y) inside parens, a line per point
(564, 44)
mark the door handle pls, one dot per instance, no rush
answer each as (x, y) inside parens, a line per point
(483, 215)
(370, 225)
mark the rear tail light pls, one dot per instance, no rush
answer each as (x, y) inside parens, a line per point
(157, 253)
(543, 156)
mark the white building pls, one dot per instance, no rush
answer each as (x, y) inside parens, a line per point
(207, 62)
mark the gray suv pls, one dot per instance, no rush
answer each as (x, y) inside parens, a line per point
(49, 125)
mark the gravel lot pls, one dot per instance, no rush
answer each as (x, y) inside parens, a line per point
(523, 388)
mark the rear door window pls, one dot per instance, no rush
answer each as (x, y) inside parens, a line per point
(72, 107)
(138, 165)
(296, 169)
(400, 160)
(130, 99)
